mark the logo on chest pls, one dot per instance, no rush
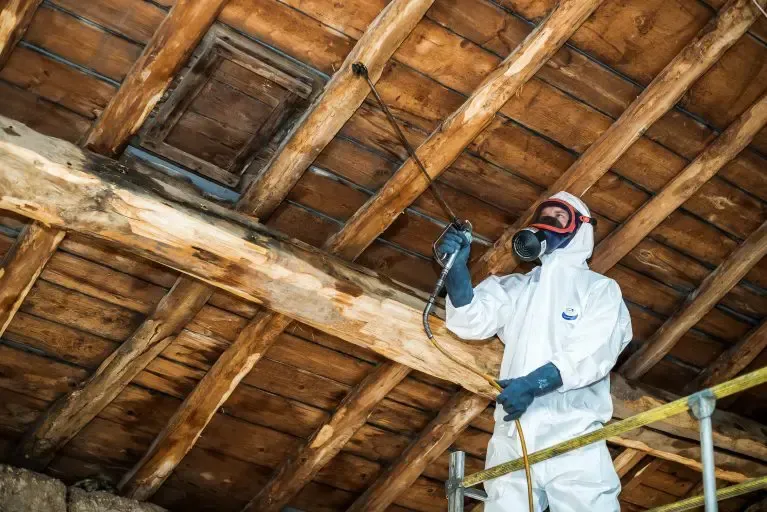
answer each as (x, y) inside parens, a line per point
(570, 314)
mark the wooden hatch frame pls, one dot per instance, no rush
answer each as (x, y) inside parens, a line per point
(301, 86)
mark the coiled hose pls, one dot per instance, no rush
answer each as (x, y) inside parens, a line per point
(489, 378)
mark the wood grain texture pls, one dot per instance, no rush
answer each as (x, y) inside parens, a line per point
(15, 17)
(660, 95)
(447, 142)
(183, 430)
(729, 467)
(64, 419)
(454, 417)
(22, 265)
(54, 181)
(734, 360)
(731, 142)
(328, 440)
(700, 302)
(627, 460)
(163, 56)
(340, 99)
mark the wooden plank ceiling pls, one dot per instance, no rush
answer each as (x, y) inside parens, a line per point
(116, 366)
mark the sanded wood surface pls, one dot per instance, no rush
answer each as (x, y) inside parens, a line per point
(627, 460)
(731, 142)
(328, 440)
(22, 265)
(447, 142)
(663, 92)
(67, 416)
(15, 17)
(55, 181)
(339, 100)
(168, 50)
(735, 359)
(437, 437)
(181, 432)
(700, 302)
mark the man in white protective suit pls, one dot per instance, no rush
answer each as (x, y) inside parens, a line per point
(563, 327)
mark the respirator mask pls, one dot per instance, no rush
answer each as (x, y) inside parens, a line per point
(548, 233)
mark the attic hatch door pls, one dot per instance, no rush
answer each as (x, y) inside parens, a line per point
(229, 108)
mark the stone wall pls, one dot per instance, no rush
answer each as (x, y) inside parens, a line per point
(25, 491)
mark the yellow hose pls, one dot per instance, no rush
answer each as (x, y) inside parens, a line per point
(491, 380)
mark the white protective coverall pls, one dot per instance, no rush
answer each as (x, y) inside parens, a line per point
(563, 313)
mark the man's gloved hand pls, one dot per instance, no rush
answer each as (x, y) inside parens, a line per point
(458, 281)
(518, 394)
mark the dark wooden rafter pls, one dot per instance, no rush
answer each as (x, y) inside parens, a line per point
(22, 266)
(328, 440)
(55, 182)
(344, 94)
(733, 20)
(437, 437)
(15, 17)
(722, 150)
(697, 304)
(187, 424)
(339, 100)
(733, 360)
(167, 51)
(447, 142)
(73, 411)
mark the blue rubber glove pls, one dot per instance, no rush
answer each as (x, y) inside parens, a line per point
(518, 394)
(458, 281)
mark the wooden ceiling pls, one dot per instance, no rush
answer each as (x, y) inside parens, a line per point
(212, 401)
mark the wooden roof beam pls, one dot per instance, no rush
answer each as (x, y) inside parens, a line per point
(437, 437)
(22, 266)
(447, 142)
(731, 142)
(734, 360)
(15, 17)
(73, 411)
(698, 303)
(167, 51)
(328, 440)
(627, 460)
(186, 425)
(659, 97)
(339, 100)
(316, 128)
(57, 183)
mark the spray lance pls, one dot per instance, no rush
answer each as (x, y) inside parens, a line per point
(445, 261)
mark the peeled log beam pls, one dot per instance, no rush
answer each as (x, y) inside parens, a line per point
(732, 432)
(73, 411)
(735, 359)
(15, 18)
(729, 467)
(664, 91)
(180, 434)
(437, 437)
(340, 99)
(447, 142)
(328, 440)
(698, 303)
(627, 460)
(22, 266)
(57, 183)
(168, 50)
(731, 142)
